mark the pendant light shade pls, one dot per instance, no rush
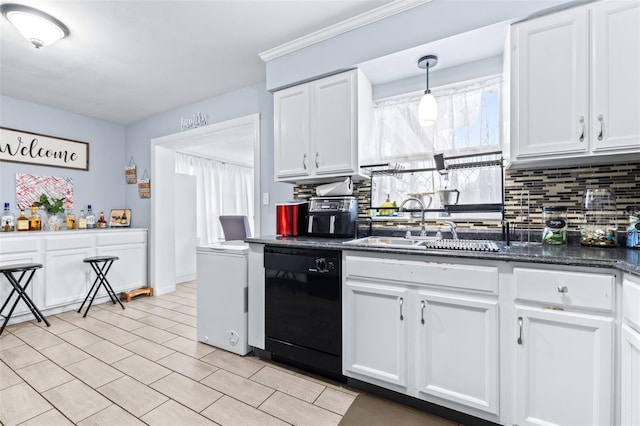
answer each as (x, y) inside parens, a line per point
(428, 107)
(36, 26)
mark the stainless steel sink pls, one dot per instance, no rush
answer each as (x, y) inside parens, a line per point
(424, 243)
(393, 242)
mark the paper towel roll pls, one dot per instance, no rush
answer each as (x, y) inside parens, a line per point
(336, 188)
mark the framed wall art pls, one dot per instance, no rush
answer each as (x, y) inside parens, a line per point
(18, 146)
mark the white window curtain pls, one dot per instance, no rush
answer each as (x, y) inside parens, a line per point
(222, 189)
(468, 121)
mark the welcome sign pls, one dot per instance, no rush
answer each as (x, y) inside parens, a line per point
(32, 148)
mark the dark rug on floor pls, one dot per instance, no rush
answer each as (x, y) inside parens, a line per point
(369, 410)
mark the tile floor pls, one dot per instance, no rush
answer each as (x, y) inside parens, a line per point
(143, 365)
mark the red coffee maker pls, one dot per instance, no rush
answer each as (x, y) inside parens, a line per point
(291, 218)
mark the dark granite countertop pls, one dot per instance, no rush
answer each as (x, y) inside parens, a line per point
(626, 260)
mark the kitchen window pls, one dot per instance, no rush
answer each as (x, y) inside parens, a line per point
(468, 123)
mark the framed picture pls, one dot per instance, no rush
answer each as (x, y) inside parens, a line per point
(120, 217)
(18, 146)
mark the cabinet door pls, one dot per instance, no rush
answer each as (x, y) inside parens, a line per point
(67, 276)
(615, 82)
(458, 349)
(291, 132)
(564, 369)
(35, 289)
(375, 334)
(550, 85)
(630, 376)
(129, 271)
(334, 124)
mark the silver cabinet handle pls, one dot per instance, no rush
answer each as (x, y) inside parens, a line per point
(520, 327)
(317, 161)
(401, 302)
(601, 134)
(581, 120)
(304, 161)
(563, 289)
(422, 306)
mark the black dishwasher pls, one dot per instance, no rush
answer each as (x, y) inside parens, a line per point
(303, 308)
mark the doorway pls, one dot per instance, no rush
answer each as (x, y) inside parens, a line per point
(163, 214)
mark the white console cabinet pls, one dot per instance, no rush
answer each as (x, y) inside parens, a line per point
(64, 280)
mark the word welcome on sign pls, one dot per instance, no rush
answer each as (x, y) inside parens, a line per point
(32, 148)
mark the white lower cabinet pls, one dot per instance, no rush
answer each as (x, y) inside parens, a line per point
(564, 368)
(630, 376)
(415, 327)
(564, 352)
(66, 266)
(630, 353)
(458, 349)
(375, 343)
(17, 252)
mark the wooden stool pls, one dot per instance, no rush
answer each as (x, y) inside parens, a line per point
(101, 266)
(20, 288)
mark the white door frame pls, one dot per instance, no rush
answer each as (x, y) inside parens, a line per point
(161, 235)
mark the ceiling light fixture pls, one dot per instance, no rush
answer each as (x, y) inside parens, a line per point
(36, 26)
(428, 108)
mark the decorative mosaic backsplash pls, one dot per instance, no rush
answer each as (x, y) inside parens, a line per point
(560, 186)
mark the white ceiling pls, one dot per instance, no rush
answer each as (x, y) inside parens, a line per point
(128, 60)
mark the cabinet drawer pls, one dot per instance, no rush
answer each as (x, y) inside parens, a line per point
(66, 242)
(441, 274)
(564, 288)
(18, 245)
(631, 302)
(127, 237)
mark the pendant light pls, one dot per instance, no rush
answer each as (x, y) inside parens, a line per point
(428, 108)
(36, 26)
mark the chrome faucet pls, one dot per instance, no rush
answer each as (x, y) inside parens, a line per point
(423, 231)
(452, 226)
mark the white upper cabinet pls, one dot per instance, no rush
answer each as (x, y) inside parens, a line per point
(575, 86)
(615, 85)
(318, 127)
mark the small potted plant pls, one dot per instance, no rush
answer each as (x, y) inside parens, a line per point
(54, 208)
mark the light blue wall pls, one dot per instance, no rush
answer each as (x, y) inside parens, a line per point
(239, 103)
(103, 186)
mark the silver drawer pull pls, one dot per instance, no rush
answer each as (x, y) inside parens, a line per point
(563, 289)
(401, 302)
(601, 134)
(422, 306)
(581, 121)
(520, 327)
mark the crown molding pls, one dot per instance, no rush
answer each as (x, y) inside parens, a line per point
(350, 24)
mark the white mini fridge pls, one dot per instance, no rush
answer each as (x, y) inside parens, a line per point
(222, 283)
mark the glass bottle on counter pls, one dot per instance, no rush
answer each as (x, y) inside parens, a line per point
(91, 218)
(82, 220)
(555, 221)
(35, 221)
(633, 230)
(70, 219)
(8, 221)
(22, 222)
(102, 222)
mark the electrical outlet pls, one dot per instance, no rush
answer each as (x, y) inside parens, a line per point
(265, 198)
